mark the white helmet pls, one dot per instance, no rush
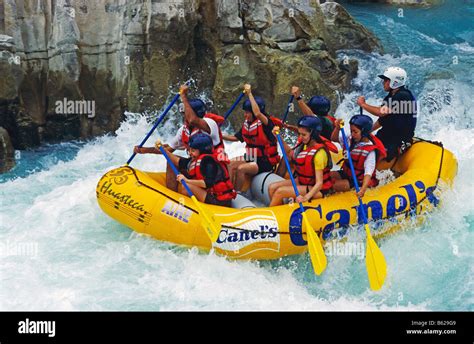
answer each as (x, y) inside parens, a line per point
(396, 75)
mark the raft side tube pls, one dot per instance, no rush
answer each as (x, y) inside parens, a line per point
(241, 202)
(260, 184)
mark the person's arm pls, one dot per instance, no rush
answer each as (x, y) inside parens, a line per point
(146, 150)
(255, 109)
(365, 185)
(231, 138)
(296, 92)
(369, 168)
(234, 138)
(215, 132)
(288, 149)
(317, 187)
(291, 127)
(197, 182)
(153, 150)
(189, 113)
(335, 132)
(314, 190)
(378, 111)
(376, 126)
(168, 148)
(174, 159)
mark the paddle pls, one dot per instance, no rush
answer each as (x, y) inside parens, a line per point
(208, 222)
(316, 252)
(237, 101)
(288, 108)
(278, 170)
(374, 259)
(158, 121)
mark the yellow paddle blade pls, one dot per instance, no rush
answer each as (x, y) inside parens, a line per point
(375, 262)
(209, 224)
(316, 251)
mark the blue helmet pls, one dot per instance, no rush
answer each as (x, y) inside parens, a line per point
(247, 106)
(364, 123)
(198, 107)
(312, 123)
(320, 105)
(202, 142)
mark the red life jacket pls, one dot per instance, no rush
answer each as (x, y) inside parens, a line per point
(222, 190)
(304, 163)
(187, 132)
(329, 145)
(218, 119)
(332, 119)
(359, 155)
(255, 137)
(276, 121)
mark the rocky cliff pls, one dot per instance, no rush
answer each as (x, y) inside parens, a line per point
(7, 153)
(70, 68)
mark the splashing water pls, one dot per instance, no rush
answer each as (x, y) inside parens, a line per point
(60, 252)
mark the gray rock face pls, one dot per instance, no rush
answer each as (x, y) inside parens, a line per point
(7, 153)
(345, 32)
(129, 54)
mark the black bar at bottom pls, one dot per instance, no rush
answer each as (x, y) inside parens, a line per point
(318, 327)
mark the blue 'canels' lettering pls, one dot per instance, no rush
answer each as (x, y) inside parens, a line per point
(431, 196)
(272, 231)
(421, 186)
(296, 232)
(255, 234)
(232, 237)
(265, 232)
(343, 221)
(376, 211)
(244, 236)
(412, 194)
(412, 198)
(429, 192)
(392, 207)
(340, 218)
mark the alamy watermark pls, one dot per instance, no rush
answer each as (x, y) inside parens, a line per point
(345, 249)
(37, 327)
(402, 107)
(81, 107)
(24, 249)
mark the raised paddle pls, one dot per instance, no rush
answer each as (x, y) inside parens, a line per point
(290, 101)
(288, 108)
(158, 121)
(316, 251)
(212, 228)
(237, 101)
(374, 259)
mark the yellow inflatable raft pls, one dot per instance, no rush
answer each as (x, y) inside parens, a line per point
(141, 201)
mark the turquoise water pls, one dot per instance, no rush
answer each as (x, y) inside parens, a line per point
(60, 252)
